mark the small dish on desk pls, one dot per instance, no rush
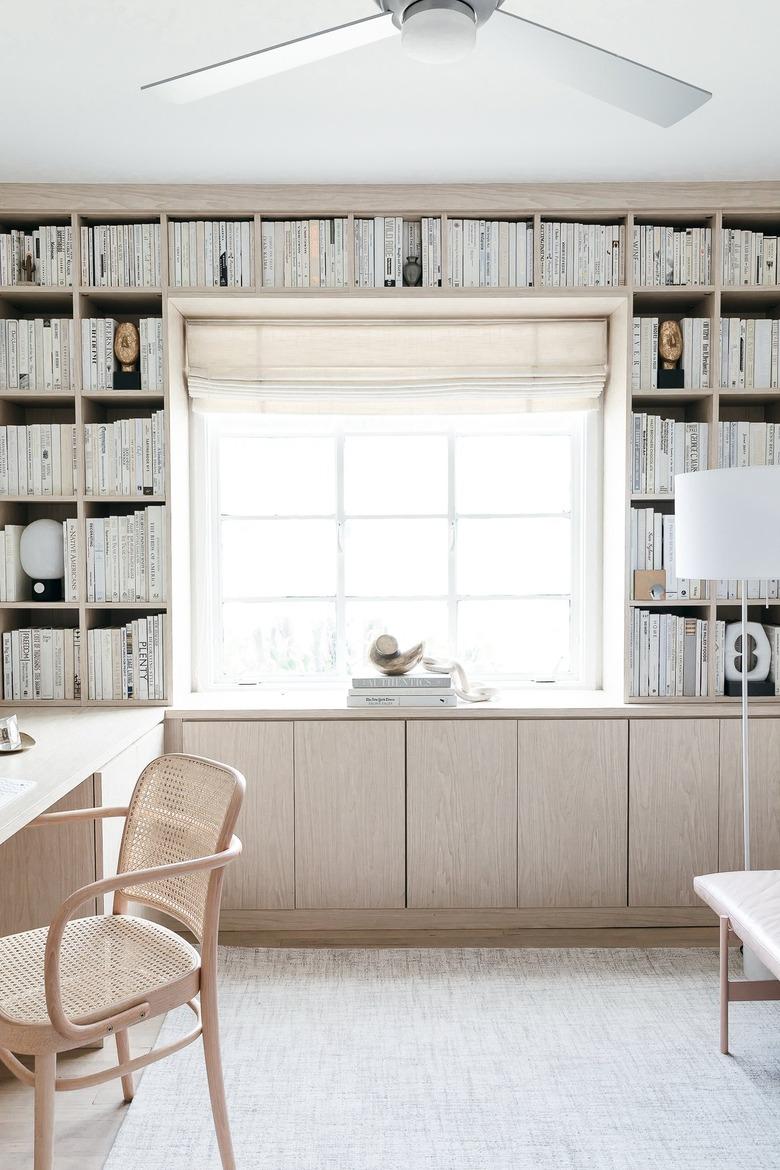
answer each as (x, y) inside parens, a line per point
(24, 746)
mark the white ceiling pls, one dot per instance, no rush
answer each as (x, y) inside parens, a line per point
(71, 110)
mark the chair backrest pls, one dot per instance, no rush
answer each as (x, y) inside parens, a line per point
(183, 807)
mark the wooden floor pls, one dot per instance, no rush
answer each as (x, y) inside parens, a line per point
(86, 1122)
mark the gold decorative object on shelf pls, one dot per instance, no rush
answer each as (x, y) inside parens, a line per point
(670, 344)
(127, 346)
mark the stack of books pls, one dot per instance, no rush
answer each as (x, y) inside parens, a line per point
(669, 655)
(663, 448)
(49, 251)
(653, 546)
(206, 253)
(582, 255)
(748, 257)
(38, 460)
(36, 354)
(665, 256)
(402, 690)
(127, 662)
(749, 353)
(695, 361)
(98, 361)
(41, 664)
(304, 253)
(121, 255)
(126, 556)
(383, 245)
(123, 458)
(490, 253)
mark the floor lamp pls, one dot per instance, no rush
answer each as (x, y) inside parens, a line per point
(727, 525)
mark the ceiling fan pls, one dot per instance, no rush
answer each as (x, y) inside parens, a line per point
(444, 31)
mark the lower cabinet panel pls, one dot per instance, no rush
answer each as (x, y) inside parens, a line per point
(40, 868)
(462, 813)
(572, 812)
(764, 794)
(349, 814)
(673, 809)
(263, 876)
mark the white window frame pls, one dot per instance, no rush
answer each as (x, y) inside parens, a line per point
(587, 540)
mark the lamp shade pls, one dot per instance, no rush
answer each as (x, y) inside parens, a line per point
(727, 523)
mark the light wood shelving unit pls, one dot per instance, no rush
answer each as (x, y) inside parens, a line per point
(715, 205)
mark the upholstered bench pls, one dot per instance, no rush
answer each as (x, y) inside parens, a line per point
(748, 905)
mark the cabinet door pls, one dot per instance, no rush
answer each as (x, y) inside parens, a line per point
(349, 814)
(572, 796)
(673, 809)
(262, 877)
(764, 794)
(462, 812)
(40, 868)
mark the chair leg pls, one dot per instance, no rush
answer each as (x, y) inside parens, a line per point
(45, 1074)
(213, 1057)
(123, 1055)
(724, 985)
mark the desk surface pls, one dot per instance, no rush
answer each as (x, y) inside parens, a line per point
(70, 746)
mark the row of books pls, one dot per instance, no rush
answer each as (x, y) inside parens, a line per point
(41, 663)
(580, 255)
(127, 662)
(669, 654)
(696, 353)
(126, 556)
(663, 448)
(652, 545)
(37, 354)
(748, 257)
(749, 353)
(38, 460)
(205, 253)
(121, 255)
(404, 690)
(99, 363)
(748, 444)
(669, 256)
(41, 256)
(304, 253)
(125, 457)
(383, 245)
(490, 253)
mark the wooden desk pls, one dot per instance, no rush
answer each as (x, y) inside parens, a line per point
(82, 758)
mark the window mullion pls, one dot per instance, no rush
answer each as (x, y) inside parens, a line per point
(341, 617)
(452, 533)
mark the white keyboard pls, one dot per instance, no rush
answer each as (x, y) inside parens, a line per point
(12, 789)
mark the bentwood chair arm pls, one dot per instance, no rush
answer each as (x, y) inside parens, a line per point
(139, 877)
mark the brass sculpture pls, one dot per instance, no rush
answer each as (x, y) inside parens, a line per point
(670, 344)
(127, 345)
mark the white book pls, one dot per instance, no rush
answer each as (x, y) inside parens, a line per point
(400, 700)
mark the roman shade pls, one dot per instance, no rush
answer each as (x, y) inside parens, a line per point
(396, 366)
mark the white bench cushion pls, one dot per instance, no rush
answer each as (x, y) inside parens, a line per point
(751, 902)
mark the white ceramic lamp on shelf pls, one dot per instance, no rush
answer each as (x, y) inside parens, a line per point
(727, 526)
(42, 555)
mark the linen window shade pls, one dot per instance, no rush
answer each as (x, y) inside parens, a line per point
(396, 366)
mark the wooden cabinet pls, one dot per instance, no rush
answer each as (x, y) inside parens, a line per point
(673, 809)
(572, 796)
(349, 814)
(462, 813)
(40, 868)
(263, 877)
(764, 794)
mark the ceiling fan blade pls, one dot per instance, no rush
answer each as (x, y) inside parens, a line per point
(200, 83)
(640, 90)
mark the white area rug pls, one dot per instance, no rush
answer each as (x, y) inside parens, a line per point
(469, 1060)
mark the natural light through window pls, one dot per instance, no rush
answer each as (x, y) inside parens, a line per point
(474, 535)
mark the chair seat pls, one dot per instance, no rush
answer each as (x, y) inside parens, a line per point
(105, 961)
(750, 899)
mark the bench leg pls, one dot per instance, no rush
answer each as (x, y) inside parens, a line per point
(724, 985)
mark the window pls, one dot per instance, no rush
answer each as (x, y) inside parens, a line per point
(478, 536)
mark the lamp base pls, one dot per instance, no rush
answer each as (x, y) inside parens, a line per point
(47, 590)
(733, 687)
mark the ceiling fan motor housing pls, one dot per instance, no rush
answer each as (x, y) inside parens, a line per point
(482, 9)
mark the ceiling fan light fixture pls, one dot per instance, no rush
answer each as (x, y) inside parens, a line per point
(439, 32)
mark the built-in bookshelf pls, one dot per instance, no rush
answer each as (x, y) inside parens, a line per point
(706, 258)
